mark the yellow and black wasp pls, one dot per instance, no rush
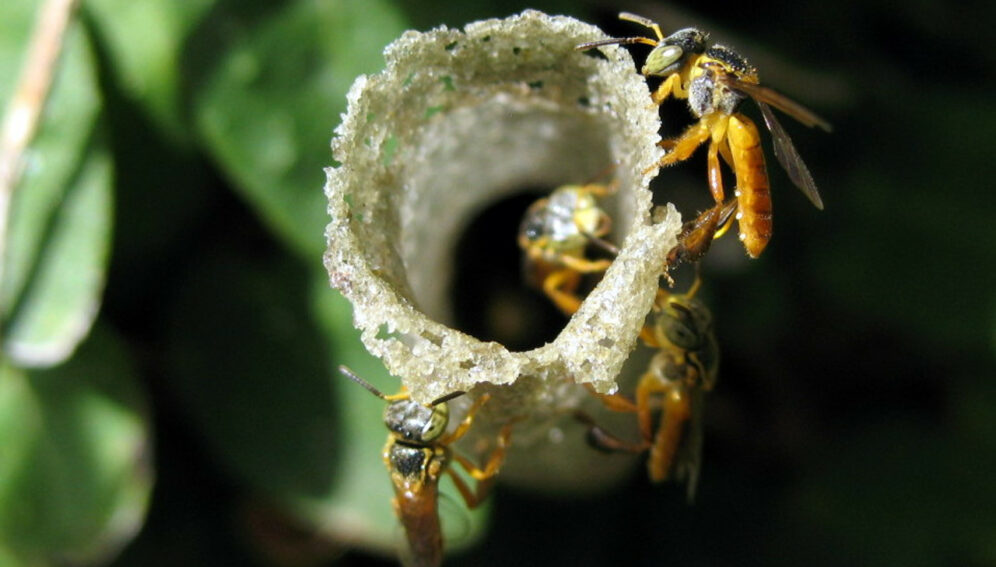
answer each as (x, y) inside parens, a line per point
(715, 79)
(418, 453)
(684, 367)
(554, 235)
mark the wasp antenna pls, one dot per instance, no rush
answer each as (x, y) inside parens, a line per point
(604, 172)
(367, 385)
(447, 397)
(602, 243)
(697, 283)
(615, 41)
(590, 44)
(645, 22)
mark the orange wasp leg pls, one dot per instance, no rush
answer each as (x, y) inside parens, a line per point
(648, 338)
(614, 402)
(684, 146)
(647, 387)
(718, 133)
(676, 411)
(585, 266)
(559, 287)
(601, 189)
(604, 441)
(670, 86)
(468, 419)
(484, 476)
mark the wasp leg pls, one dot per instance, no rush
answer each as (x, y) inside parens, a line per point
(614, 402)
(601, 189)
(647, 334)
(604, 441)
(660, 299)
(648, 386)
(723, 228)
(484, 476)
(676, 411)
(472, 498)
(559, 287)
(718, 133)
(468, 419)
(685, 145)
(601, 242)
(724, 150)
(585, 266)
(671, 86)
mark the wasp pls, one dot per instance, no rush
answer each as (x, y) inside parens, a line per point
(555, 233)
(418, 453)
(715, 80)
(682, 370)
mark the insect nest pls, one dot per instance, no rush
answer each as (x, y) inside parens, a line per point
(458, 120)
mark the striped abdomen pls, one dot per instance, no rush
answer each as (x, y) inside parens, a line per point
(753, 193)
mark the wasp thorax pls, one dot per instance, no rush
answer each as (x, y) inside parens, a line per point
(412, 421)
(733, 62)
(570, 213)
(706, 95)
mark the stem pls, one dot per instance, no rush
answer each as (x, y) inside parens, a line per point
(24, 111)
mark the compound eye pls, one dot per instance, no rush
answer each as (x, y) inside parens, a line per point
(679, 326)
(662, 59)
(681, 336)
(437, 422)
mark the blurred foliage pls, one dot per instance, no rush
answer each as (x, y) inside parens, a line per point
(75, 474)
(60, 227)
(853, 421)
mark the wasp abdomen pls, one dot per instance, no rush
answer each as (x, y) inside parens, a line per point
(753, 192)
(417, 513)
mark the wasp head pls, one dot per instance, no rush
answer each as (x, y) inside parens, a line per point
(415, 423)
(674, 51)
(684, 323)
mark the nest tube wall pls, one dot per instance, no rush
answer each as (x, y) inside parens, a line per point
(458, 120)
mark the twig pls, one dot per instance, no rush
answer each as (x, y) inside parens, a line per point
(24, 110)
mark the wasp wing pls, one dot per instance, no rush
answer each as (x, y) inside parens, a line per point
(785, 151)
(790, 159)
(766, 95)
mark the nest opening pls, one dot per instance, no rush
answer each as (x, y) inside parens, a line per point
(462, 121)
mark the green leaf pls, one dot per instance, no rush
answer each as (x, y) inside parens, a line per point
(143, 41)
(74, 472)
(55, 310)
(60, 217)
(272, 82)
